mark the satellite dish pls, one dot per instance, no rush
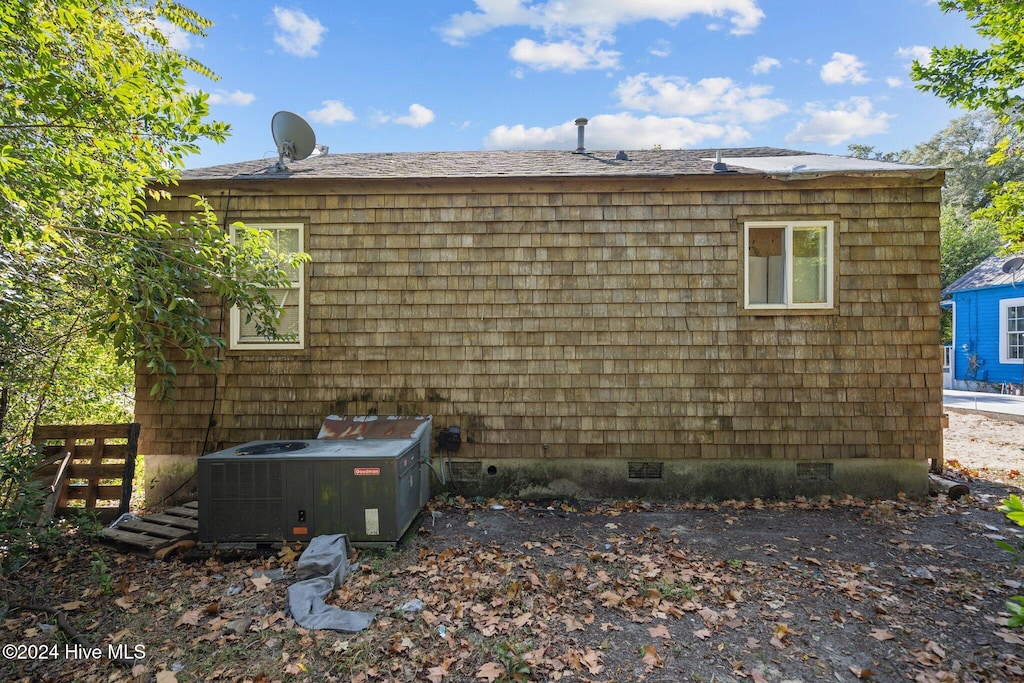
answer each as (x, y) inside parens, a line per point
(294, 138)
(1011, 267)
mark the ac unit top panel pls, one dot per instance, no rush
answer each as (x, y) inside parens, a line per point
(314, 449)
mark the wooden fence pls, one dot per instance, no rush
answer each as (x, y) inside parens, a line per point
(87, 467)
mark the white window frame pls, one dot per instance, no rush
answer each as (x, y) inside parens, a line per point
(235, 322)
(789, 227)
(1004, 331)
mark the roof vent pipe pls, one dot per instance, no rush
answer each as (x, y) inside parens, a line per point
(719, 166)
(580, 123)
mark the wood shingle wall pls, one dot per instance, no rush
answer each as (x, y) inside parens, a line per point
(586, 319)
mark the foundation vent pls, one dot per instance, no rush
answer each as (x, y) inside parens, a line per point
(814, 471)
(466, 470)
(646, 470)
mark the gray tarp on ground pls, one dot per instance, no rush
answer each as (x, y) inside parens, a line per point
(322, 567)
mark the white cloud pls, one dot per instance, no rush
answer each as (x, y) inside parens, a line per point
(854, 118)
(564, 56)
(576, 30)
(418, 117)
(616, 131)
(176, 38)
(661, 48)
(765, 64)
(915, 53)
(557, 17)
(894, 82)
(237, 98)
(331, 112)
(297, 33)
(844, 68)
(720, 98)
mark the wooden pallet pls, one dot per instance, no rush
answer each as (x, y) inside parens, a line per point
(91, 466)
(156, 534)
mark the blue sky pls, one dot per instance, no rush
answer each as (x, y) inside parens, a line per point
(433, 75)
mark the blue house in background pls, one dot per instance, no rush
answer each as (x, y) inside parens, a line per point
(987, 352)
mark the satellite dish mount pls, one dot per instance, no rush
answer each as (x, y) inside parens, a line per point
(294, 138)
(1011, 267)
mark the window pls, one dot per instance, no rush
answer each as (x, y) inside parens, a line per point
(788, 265)
(286, 238)
(1011, 331)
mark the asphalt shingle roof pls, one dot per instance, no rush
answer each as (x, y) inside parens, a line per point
(988, 273)
(518, 164)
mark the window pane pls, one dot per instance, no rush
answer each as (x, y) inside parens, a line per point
(766, 265)
(286, 241)
(287, 324)
(1015, 330)
(810, 265)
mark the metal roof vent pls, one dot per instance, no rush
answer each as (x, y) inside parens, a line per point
(580, 123)
(622, 156)
(720, 166)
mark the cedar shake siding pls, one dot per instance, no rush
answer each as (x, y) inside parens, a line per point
(586, 329)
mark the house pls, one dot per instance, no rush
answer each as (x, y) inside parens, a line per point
(599, 324)
(987, 350)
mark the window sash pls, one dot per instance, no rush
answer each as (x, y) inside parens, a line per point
(1015, 332)
(788, 265)
(286, 238)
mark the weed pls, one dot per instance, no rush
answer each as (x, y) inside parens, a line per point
(1013, 508)
(101, 573)
(511, 656)
(20, 503)
(674, 591)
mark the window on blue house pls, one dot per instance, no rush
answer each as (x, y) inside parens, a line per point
(1011, 331)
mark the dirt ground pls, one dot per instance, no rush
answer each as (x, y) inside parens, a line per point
(822, 590)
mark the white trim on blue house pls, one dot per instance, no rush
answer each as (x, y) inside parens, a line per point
(1004, 331)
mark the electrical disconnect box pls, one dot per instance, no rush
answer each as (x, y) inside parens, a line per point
(367, 477)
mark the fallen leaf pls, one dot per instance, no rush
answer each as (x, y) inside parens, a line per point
(592, 659)
(703, 634)
(862, 673)
(490, 672)
(189, 618)
(881, 635)
(573, 624)
(651, 656)
(659, 631)
(71, 606)
(522, 620)
(260, 582)
(1010, 637)
(166, 676)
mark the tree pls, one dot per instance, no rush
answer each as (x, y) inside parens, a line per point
(965, 148)
(991, 78)
(964, 243)
(95, 114)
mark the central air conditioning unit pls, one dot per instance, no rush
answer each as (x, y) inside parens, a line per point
(367, 477)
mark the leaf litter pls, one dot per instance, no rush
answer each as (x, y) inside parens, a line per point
(763, 591)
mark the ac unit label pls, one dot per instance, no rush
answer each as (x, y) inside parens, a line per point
(367, 471)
